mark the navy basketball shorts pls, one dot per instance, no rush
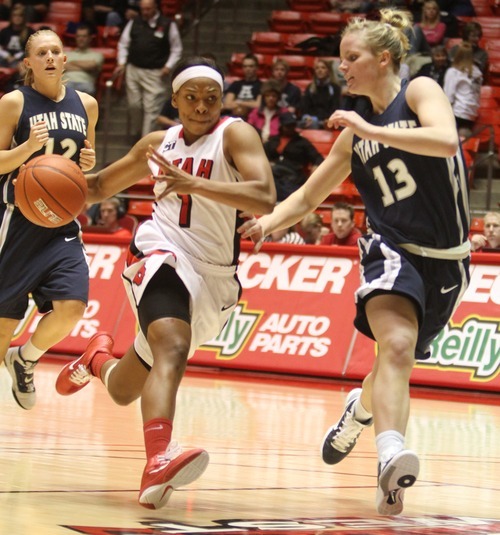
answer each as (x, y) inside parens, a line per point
(49, 264)
(435, 286)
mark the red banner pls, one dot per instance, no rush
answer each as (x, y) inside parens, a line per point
(296, 316)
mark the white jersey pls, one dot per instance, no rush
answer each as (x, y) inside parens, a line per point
(203, 228)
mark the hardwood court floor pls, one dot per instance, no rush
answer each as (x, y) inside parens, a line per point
(73, 465)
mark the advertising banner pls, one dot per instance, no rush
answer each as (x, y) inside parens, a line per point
(296, 317)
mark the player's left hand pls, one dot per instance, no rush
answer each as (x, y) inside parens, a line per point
(87, 157)
(252, 229)
(177, 180)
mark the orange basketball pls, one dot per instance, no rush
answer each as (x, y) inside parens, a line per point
(51, 190)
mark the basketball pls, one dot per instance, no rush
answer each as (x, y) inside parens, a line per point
(50, 190)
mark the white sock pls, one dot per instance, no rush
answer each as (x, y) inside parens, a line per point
(388, 444)
(107, 374)
(29, 352)
(360, 413)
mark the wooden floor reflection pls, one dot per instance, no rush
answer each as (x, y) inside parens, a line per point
(73, 465)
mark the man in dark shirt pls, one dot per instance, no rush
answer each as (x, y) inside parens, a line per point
(244, 95)
(149, 46)
(292, 157)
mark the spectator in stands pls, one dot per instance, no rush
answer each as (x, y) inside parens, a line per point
(109, 213)
(286, 235)
(266, 118)
(123, 11)
(344, 231)
(321, 97)
(462, 85)
(13, 39)
(149, 47)
(292, 157)
(457, 8)
(438, 67)
(83, 64)
(169, 116)
(490, 240)
(34, 10)
(311, 228)
(431, 25)
(242, 96)
(472, 33)
(419, 53)
(290, 93)
(95, 12)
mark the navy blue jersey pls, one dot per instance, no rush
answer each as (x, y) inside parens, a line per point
(66, 120)
(410, 198)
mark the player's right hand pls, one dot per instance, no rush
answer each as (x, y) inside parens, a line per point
(39, 135)
(252, 229)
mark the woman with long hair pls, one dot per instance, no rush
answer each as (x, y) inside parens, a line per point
(41, 117)
(406, 162)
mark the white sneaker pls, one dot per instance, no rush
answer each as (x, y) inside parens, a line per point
(397, 474)
(21, 371)
(341, 438)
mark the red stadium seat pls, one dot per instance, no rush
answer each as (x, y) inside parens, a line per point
(309, 5)
(325, 23)
(288, 21)
(292, 41)
(266, 43)
(321, 139)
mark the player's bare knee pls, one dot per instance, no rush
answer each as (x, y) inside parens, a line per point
(69, 312)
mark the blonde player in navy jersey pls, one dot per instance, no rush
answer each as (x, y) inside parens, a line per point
(181, 270)
(41, 117)
(405, 159)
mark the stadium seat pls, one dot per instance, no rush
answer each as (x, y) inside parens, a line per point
(321, 139)
(477, 225)
(266, 43)
(63, 12)
(470, 148)
(493, 73)
(288, 21)
(292, 42)
(309, 5)
(324, 23)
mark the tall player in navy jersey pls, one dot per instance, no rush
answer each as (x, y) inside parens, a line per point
(42, 117)
(181, 273)
(406, 162)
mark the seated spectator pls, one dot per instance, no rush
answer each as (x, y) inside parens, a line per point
(419, 53)
(344, 231)
(13, 39)
(472, 33)
(490, 240)
(434, 30)
(122, 11)
(286, 235)
(34, 10)
(438, 67)
(169, 116)
(292, 157)
(321, 97)
(266, 118)
(290, 93)
(311, 228)
(83, 64)
(242, 96)
(457, 8)
(109, 213)
(462, 85)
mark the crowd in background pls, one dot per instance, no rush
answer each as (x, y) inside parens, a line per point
(150, 45)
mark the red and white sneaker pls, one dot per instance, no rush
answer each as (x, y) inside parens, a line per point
(75, 375)
(165, 473)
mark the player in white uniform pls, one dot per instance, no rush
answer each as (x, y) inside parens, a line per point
(181, 270)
